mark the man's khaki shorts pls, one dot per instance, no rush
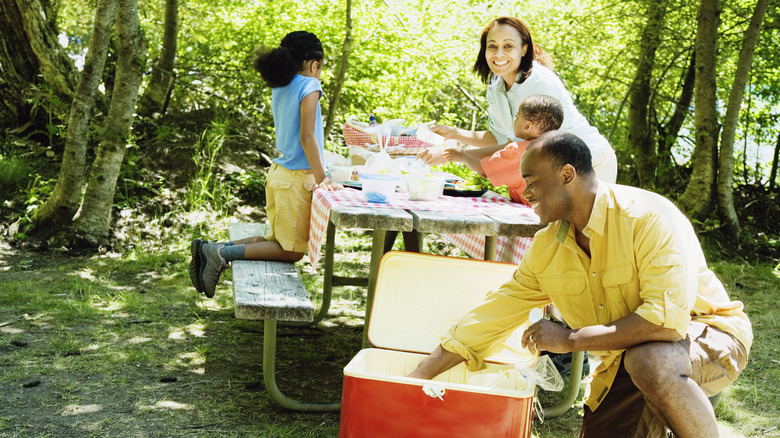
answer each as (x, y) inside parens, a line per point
(288, 195)
(717, 358)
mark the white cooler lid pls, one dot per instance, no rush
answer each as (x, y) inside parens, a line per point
(420, 296)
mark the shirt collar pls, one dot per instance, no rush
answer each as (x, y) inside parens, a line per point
(498, 83)
(598, 215)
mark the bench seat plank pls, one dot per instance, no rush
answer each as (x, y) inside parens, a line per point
(267, 289)
(270, 290)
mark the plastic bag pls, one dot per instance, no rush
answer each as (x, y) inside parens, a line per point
(509, 379)
(542, 373)
(358, 155)
(380, 162)
(334, 159)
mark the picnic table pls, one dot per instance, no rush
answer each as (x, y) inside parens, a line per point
(476, 222)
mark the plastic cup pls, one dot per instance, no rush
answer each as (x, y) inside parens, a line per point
(424, 187)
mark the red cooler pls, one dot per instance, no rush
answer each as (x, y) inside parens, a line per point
(418, 298)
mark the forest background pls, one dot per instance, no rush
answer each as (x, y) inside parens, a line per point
(128, 129)
(686, 93)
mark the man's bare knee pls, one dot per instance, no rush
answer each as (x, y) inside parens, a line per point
(656, 364)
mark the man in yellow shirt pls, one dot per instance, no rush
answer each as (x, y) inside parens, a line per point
(625, 269)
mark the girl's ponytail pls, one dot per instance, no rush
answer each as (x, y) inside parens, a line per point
(278, 66)
(543, 57)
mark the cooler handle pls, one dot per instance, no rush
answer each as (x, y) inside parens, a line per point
(434, 390)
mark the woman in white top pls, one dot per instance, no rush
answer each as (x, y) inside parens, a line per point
(515, 68)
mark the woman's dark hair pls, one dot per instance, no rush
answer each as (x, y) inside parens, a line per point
(561, 147)
(279, 65)
(481, 67)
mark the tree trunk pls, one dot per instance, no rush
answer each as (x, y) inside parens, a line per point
(728, 216)
(339, 82)
(156, 94)
(775, 162)
(666, 171)
(672, 129)
(698, 197)
(30, 55)
(93, 219)
(640, 135)
(59, 209)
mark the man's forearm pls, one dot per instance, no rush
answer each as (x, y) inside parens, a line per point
(436, 363)
(622, 334)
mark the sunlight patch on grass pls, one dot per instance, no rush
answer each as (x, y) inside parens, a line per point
(108, 304)
(81, 409)
(138, 340)
(189, 359)
(165, 405)
(215, 304)
(197, 329)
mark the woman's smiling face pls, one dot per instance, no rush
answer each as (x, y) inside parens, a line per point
(504, 51)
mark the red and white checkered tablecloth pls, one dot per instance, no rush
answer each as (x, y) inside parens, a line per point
(509, 249)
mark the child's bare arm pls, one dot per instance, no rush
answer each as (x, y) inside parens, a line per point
(485, 152)
(455, 153)
(311, 146)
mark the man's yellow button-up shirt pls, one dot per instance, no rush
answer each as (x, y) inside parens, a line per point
(645, 259)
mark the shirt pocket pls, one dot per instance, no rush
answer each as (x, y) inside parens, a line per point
(309, 182)
(618, 283)
(617, 275)
(566, 291)
(278, 184)
(562, 285)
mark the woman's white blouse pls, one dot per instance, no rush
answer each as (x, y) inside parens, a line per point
(503, 105)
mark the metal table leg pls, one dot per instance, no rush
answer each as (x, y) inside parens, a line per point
(269, 377)
(491, 246)
(327, 281)
(575, 377)
(377, 250)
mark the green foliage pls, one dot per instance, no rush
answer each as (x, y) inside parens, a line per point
(248, 186)
(412, 59)
(14, 173)
(205, 190)
(471, 178)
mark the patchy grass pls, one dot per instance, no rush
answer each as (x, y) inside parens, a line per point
(121, 345)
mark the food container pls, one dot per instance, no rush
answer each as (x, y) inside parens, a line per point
(425, 134)
(418, 297)
(378, 187)
(423, 187)
(340, 173)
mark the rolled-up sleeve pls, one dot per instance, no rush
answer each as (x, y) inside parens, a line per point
(500, 313)
(668, 277)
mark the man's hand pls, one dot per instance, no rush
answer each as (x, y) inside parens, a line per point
(548, 336)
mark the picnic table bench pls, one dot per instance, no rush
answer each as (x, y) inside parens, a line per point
(271, 291)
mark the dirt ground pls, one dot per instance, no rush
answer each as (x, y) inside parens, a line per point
(190, 370)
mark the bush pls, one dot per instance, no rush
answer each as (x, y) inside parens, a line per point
(14, 173)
